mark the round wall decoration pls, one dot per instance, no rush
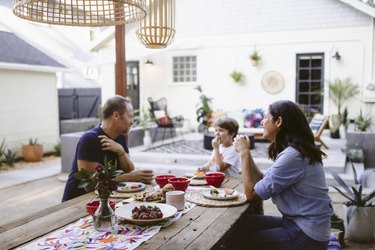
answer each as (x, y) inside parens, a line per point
(273, 82)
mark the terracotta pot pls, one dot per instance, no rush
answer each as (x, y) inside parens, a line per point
(32, 153)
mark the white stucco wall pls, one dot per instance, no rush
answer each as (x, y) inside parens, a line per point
(278, 51)
(223, 33)
(28, 108)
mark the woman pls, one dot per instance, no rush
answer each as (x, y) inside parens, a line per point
(295, 182)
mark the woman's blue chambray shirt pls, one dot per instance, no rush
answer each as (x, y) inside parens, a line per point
(299, 191)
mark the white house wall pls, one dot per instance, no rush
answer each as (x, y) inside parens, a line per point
(278, 51)
(28, 108)
(223, 33)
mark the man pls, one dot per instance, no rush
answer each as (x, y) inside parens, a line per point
(106, 140)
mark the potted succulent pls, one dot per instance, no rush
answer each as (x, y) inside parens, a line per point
(340, 91)
(204, 110)
(33, 151)
(338, 223)
(358, 210)
(237, 76)
(363, 123)
(255, 58)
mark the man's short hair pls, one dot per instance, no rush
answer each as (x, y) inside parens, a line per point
(115, 103)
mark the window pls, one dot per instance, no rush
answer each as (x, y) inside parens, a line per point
(184, 69)
(310, 83)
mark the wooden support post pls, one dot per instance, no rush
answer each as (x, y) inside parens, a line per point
(120, 60)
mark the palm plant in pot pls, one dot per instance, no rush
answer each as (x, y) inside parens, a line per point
(340, 91)
(358, 210)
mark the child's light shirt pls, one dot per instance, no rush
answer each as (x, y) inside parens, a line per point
(230, 156)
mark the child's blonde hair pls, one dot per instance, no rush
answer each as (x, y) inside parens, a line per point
(229, 124)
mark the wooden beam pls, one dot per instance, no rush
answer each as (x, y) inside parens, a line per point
(120, 60)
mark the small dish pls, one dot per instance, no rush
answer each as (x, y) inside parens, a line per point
(190, 175)
(129, 187)
(221, 196)
(125, 213)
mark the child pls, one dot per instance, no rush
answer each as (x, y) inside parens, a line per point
(224, 157)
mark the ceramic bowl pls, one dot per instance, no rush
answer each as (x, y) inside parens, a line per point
(93, 205)
(162, 180)
(179, 183)
(215, 179)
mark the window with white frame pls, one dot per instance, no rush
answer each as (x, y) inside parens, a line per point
(184, 69)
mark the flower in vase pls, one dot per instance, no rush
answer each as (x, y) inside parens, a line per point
(102, 180)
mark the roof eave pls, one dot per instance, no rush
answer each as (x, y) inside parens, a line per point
(363, 7)
(37, 68)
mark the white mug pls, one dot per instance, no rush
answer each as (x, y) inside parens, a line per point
(176, 199)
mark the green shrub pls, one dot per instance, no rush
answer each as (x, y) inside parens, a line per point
(9, 158)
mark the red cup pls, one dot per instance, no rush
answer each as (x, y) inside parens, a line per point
(162, 180)
(93, 205)
(179, 183)
(215, 179)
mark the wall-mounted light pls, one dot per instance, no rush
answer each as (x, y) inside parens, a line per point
(337, 56)
(370, 86)
(149, 62)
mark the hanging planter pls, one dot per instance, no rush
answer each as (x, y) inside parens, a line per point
(237, 76)
(255, 58)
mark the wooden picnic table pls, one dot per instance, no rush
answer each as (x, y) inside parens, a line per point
(200, 228)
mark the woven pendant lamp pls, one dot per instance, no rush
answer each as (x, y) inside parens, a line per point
(80, 12)
(157, 30)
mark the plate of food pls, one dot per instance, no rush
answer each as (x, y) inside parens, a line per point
(154, 196)
(145, 213)
(196, 175)
(220, 194)
(128, 187)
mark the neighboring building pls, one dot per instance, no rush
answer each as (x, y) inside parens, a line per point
(297, 39)
(28, 94)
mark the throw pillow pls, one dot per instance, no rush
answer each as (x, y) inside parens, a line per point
(162, 118)
(253, 118)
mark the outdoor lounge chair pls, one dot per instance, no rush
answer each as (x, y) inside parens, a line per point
(160, 114)
(317, 125)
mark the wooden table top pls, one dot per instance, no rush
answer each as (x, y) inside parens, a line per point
(200, 228)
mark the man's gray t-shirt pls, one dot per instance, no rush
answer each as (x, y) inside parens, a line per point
(299, 191)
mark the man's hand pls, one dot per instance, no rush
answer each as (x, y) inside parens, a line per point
(145, 176)
(109, 144)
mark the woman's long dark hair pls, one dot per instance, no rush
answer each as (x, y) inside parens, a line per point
(294, 131)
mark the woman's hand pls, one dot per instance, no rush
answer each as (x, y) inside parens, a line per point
(241, 143)
(109, 144)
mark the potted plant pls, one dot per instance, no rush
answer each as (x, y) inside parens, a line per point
(358, 210)
(143, 120)
(204, 109)
(340, 91)
(363, 123)
(255, 58)
(237, 76)
(338, 223)
(33, 151)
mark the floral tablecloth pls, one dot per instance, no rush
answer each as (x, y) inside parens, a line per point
(82, 235)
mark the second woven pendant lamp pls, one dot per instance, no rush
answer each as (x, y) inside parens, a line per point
(157, 29)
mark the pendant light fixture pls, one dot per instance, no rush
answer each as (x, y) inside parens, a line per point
(157, 29)
(80, 12)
